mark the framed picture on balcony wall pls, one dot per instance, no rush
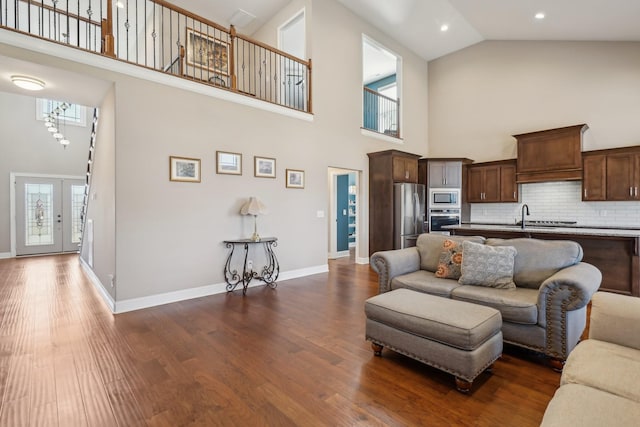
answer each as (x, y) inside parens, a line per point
(207, 52)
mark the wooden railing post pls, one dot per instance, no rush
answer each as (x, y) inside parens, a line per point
(106, 29)
(309, 109)
(232, 58)
(182, 57)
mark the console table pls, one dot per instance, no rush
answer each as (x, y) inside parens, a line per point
(268, 274)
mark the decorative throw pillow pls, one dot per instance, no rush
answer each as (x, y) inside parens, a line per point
(488, 265)
(450, 260)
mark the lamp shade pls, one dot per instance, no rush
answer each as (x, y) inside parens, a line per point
(253, 207)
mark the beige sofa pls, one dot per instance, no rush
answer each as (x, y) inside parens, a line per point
(600, 384)
(546, 311)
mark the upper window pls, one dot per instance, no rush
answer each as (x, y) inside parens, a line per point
(381, 86)
(73, 114)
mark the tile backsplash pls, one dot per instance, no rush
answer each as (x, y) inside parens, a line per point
(559, 201)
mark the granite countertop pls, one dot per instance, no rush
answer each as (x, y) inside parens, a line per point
(578, 230)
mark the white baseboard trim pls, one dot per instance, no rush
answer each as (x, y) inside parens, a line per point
(362, 260)
(339, 254)
(5, 255)
(203, 291)
(108, 299)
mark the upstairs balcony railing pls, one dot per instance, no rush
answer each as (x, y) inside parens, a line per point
(381, 113)
(158, 35)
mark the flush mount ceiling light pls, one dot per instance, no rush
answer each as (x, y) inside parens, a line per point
(28, 83)
(540, 15)
(444, 27)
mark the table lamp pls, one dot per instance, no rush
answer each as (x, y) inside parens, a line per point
(254, 207)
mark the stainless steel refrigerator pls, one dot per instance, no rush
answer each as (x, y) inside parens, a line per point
(408, 214)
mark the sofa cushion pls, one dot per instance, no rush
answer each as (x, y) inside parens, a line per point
(578, 405)
(425, 281)
(605, 366)
(450, 263)
(490, 266)
(539, 259)
(430, 246)
(517, 306)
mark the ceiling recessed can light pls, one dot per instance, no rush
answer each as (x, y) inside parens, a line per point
(444, 27)
(540, 15)
(28, 83)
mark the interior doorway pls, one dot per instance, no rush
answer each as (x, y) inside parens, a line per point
(292, 40)
(344, 213)
(47, 213)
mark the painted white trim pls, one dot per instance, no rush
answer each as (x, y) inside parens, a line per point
(5, 255)
(381, 136)
(108, 299)
(339, 254)
(364, 260)
(12, 201)
(76, 55)
(203, 291)
(288, 22)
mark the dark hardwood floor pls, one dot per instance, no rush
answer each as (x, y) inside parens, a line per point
(295, 355)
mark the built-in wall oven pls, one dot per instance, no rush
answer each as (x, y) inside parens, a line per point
(439, 218)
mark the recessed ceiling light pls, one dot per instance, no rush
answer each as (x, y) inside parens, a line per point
(540, 15)
(28, 83)
(444, 27)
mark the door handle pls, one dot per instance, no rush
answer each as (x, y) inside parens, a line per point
(585, 193)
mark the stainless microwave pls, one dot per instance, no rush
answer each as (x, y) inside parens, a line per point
(444, 198)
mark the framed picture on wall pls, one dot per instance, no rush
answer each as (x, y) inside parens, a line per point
(295, 178)
(207, 52)
(184, 169)
(228, 163)
(264, 167)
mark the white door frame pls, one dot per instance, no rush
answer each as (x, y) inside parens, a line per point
(333, 172)
(12, 200)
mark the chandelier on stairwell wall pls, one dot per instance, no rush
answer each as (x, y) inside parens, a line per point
(52, 122)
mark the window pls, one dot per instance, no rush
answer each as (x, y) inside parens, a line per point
(74, 114)
(381, 85)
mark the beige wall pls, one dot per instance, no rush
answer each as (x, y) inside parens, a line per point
(102, 203)
(169, 235)
(27, 147)
(481, 95)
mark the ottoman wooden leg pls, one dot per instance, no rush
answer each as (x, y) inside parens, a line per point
(463, 386)
(490, 369)
(377, 349)
(556, 364)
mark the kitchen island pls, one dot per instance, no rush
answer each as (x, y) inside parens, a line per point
(614, 251)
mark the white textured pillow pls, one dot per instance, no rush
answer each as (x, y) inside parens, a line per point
(487, 265)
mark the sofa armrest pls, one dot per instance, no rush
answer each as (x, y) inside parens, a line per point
(562, 301)
(615, 319)
(389, 264)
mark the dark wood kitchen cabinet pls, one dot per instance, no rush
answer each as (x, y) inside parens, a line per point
(594, 177)
(385, 169)
(492, 182)
(611, 175)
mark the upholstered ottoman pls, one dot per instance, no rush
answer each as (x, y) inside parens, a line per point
(461, 338)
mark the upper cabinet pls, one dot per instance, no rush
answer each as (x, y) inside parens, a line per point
(550, 155)
(405, 169)
(611, 175)
(492, 182)
(445, 174)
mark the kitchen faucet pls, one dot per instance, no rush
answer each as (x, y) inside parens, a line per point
(524, 207)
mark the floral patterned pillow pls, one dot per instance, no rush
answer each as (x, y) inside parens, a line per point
(450, 262)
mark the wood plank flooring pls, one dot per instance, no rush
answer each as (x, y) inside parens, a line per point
(291, 356)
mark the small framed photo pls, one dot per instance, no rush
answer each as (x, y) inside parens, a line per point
(264, 167)
(184, 169)
(228, 163)
(295, 178)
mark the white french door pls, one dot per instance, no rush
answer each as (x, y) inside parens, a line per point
(48, 214)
